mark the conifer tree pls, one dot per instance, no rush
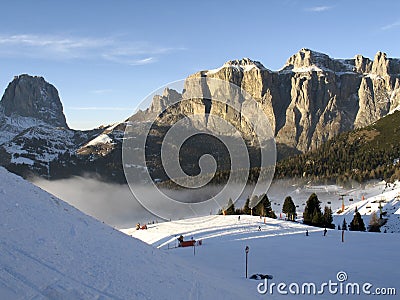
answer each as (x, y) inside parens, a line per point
(312, 212)
(266, 204)
(255, 206)
(289, 208)
(231, 207)
(246, 207)
(328, 219)
(357, 224)
(317, 219)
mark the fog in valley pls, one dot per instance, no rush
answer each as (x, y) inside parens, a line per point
(115, 205)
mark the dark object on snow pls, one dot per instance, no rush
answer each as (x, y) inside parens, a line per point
(183, 243)
(325, 231)
(180, 239)
(261, 276)
(307, 232)
(190, 243)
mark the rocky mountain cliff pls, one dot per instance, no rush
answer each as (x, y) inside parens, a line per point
(309, 101)
(33, 97)
(34, 136)
(313, 97)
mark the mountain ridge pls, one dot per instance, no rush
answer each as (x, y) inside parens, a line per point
(312, 99)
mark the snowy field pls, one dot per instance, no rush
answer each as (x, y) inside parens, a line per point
(51, 250)
(280, 249)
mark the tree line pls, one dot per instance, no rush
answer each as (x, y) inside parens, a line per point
(360, 155)
(312, 215)
(256, 206)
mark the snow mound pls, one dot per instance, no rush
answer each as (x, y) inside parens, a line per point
(50, 250)
(101, 139)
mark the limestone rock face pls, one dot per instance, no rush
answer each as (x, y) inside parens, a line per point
(362, 64)
(311, 99)
(32, 96)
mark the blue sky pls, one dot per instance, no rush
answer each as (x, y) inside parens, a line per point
(104, 57)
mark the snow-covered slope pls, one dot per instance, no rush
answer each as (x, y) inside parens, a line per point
(50, 250)
(213, 227)
(11, 126)
(381, 196)
(280, 249)
(109, 139)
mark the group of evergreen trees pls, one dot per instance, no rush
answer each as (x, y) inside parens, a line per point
(255, 207)
(313, 215)
(357, 224)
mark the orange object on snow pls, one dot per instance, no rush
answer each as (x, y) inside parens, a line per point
(187, 243)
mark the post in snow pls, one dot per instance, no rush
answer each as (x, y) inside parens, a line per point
(247, 253)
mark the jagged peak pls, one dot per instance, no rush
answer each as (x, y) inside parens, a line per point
(168, 92)
(312, 52)
(306, 60)
(33, 96)
(245, 64)
(380, 55)
(360, 57)
(381, 65)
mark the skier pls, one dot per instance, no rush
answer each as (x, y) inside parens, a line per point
(325, 231)
(180, 240)
(259, 228)
(307, 232)
(239, 218)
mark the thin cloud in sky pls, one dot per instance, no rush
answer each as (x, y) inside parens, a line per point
(127, 59)
(319, 8)
(66, 48)
(390, 26)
